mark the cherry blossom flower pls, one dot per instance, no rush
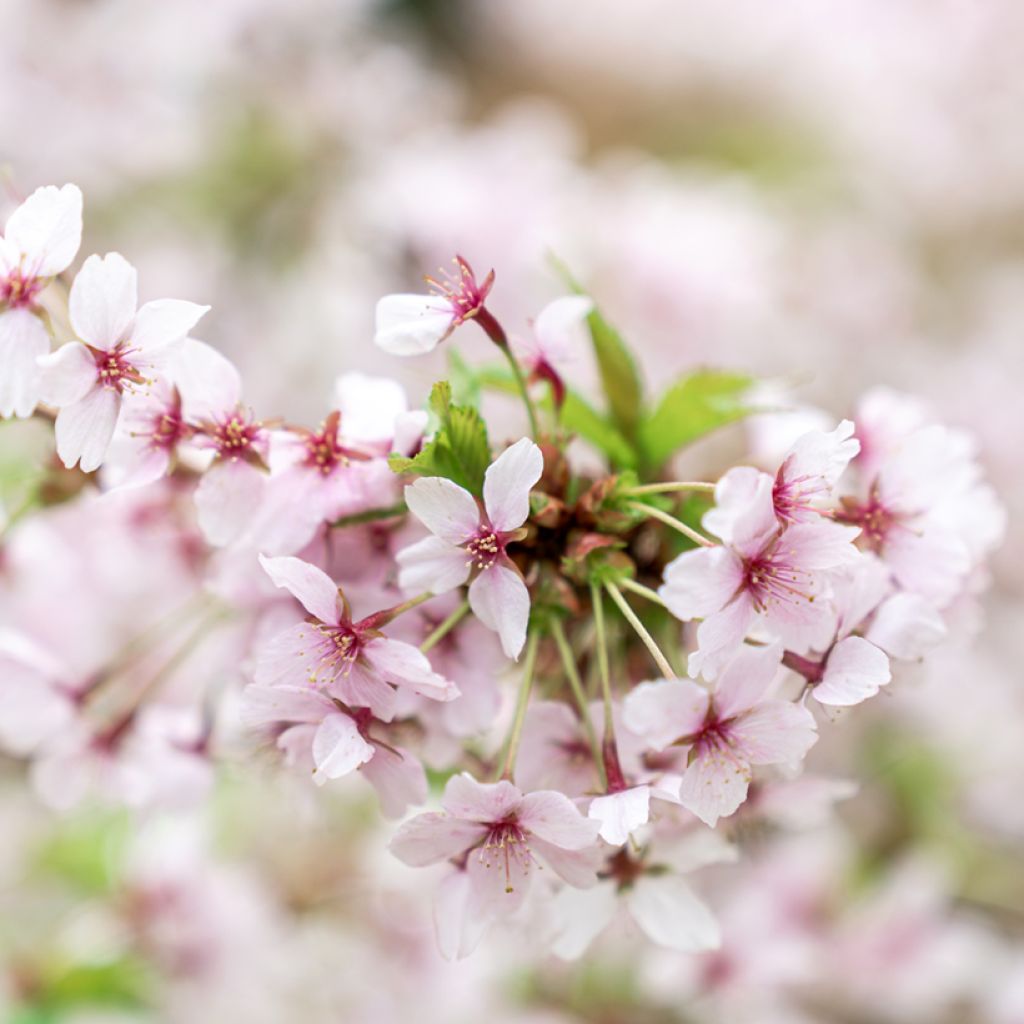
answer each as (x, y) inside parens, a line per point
(501, 832)
(409, 325)
(649, 890)
(776, 581)
(727, 730)
(336, 740)
(40, 240)
(556, 342)
(352, 661)
(467, 540)
(120, 344)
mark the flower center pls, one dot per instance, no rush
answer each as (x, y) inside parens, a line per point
(335, 650)
(875, 520)
(115, 371)
(462, 290)
(504, 846)
(484, 549)
(323, 452)
(19, 291)
(795, 495)
(770, 577)
(235, 436)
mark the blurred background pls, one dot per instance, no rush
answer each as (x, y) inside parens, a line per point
(831, 196)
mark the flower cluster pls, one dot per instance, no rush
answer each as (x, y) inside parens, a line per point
(669, 645)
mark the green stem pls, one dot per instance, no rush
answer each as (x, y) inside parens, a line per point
(512, 743)
(639, 588)
(671, 487)
(597, 600)
(370, 516)
(641, 631)
(676, 524)
(576, 685)
(445, 627)
(524, 390)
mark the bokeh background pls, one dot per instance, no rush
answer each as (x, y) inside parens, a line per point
(830, 195)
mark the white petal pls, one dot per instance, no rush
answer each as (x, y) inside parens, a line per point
(410, 325)
(67, 375)
(23, 340)
(621, 814)
(103, 300)
(906, 626)
(745, 680)
(854, 671)
(433, 565)
(338, 748)
(369, 406)
(500, 600)
(47, 229)
(309, 585)
(225, 498)
(662, 712)
(580, 915)
(508, 482)
(560, 329)
(553, 817)
(743, 512)
(714, 785)
(165, 321)
(459, 924)
(84, 429)
(208, 381)
(670, 914)
(700, 582)
(444, 508)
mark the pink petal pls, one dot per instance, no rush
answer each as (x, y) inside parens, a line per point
(225, 498)
(775, 732)
(288, 658)
(500, 600)
(714, 785)
(160, 323)
(338, 748)
(459, 922)
(581, 915)
(208, 381)
(310, 586)
(398, 778)
(433, 565)
(906, 626)
(31, 710)
(662, 712)
(466, 798)
(508, 482)
(269, 705)
(553, 817)
(23, 341)
(670, 914)
(854, 671)
(931, 562)
(822, 456)
(820, 545)
(621, 814)
(698, 583)
(746, 678)
(720, 635)
(445, 509)
(360, 688)
(411, 325)
(103, 300)
(577, 867)
(84, 429)
(743, 514)
(67, 375)
(47, 229)
(431, 838)
(500, 878)
(560, 329)
(404, 665)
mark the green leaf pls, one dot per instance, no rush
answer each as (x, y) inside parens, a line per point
(459, 449)
(620, 377)
(694, 406)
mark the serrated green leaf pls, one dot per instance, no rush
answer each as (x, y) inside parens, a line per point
(694, 406)
(459, 449)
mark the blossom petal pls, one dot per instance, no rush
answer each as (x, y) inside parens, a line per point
(84, 429)
(774, 732)
(270, 705)
(66, 375)
(508, 482)
(553, 817)
(854, 671)
(500, 600)
(466, 798)
(431, 565)
(431, 838)
(308, 584)
(700, 582)
(209, 382)
(459, 923)
(447, 510)
(411, 325)
(225, 498)
(670, 914)
(743, 514)
(719, 637)
(906, 626)
(559, 329)
(577, 867)
(404, 665)
(23, 340)
(47, 229)
(369, 406)
(621, 814)
(580, 916)
(666, 710)
(338, 748)
(103, 300)
(714, 785)
(746, 678)
(361, 688)
(165, 321)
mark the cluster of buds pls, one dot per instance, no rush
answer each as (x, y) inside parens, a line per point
(667, 644)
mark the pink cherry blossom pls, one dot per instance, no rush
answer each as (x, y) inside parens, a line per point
(409, 325)
(775, 581)
(40, 240)
(467, 540)
(556, 342)
(352, 661)
(727, 730)
(501, 832)
(121, 343)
